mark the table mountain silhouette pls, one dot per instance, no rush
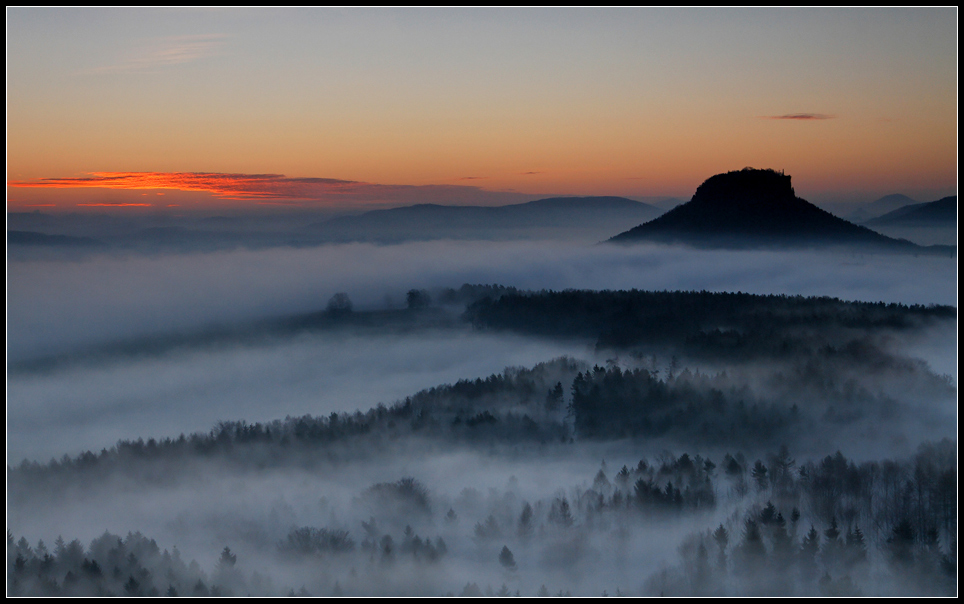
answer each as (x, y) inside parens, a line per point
(757, 208)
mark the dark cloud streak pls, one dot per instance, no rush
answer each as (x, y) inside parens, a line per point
(800, 116)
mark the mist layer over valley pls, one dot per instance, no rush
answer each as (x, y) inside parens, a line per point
(87, 407)
(418, 437)
(58, 306)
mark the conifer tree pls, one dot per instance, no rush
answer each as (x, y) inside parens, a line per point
(722, 538)
(856, 547)
(808, 554)
(525, 522)
(506, 558)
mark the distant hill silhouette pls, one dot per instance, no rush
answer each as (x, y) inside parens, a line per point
(28, 221)
(758, 208)
(41, 239)
(879, 207)
(942, 212)
(540, 217)
(663, 203)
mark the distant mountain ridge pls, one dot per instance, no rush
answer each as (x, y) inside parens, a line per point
(432, 221)
(942, 212)
(587, 219)
(757, 208)
(879, 207)
(42, 239)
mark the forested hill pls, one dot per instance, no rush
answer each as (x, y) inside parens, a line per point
(731, 323)
(824, 364)
(758, 208)
(762, 547)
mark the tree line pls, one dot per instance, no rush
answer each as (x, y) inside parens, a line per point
(829, 526)
(737, 325)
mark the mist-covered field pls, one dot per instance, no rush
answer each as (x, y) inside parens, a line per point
(207, 423)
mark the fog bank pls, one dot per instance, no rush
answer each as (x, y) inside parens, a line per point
(54, 306)
(84, 407)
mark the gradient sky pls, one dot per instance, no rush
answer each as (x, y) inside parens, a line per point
(340, 107)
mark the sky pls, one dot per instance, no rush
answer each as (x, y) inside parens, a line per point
(174, 109)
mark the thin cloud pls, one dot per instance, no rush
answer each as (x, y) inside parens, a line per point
(799, 116)
(222, 186)
(472, 178)
(115, 205)
(276, 188)
(529, 173)
(168, 51)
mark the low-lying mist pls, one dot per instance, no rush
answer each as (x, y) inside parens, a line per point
(84, 406)
(585, 519)
(254, 514)
(602, 443)
(56, 306)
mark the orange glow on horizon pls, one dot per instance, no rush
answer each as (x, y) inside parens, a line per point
(263, 189)
(204, 191)
(115, 205)
(222, 186)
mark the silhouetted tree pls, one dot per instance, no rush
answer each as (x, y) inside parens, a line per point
(722, 538)
(759, 474)
(339, 304)
(554, 398)
(856, 548)
(489, 529)
(525, 522)
(600, 483)
(227, 559)
(417, 298)
(832, 546)
(769, 514)
(808, 554)
(560, 513)
(752, 550)
(782, 543)
(506, 558)
(900, 544)
(132, 587)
